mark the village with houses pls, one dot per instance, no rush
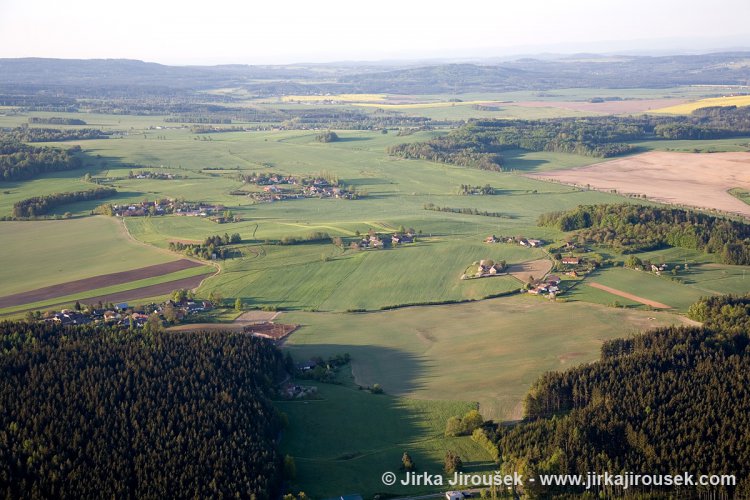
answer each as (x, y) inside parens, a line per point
(277, 187)
(214, 213)
(122, 314)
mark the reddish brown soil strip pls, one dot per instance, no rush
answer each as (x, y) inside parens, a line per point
(630, 296)
(104, 280)
(273, 331)
(147, 291)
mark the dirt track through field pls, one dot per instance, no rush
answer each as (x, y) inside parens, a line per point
(630, 296)
(104, 280)
(694, 179)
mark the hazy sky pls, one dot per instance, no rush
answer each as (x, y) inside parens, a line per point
(284, 31)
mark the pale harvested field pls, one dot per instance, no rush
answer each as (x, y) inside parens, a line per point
(536, 268)
(694, 179)
(630, 296)
(606, 107)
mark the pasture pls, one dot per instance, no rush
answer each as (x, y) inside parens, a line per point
(346, 439)
(323, 277)
(649, 286)
(45, 253)
(488, 352)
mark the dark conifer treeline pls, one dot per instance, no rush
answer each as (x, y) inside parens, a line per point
(39, 205)
(636, 228)
(36, 134)
(92, 413)
(20, 161)
(667, 401)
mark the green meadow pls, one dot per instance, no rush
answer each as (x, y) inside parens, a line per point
(345, 439)
(43, 253)
(487, 352)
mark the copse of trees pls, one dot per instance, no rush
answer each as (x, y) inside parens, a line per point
(327, 136)
(637, 228)
(40, 205)
(90, 411)
(19, 161)
(313, 237)
(210, 247)
(673, 399)
(464, 210)
(456, 149)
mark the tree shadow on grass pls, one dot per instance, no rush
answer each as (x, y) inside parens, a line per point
(346, 438)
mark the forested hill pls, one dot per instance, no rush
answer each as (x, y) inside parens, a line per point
(667, 401)
(727, 68)
(638, 228)
(92, 413)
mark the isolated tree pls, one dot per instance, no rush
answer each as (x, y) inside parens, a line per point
(453, 462)
(77, 306)
(215, 297)
(153, 324)
(238, 304)
(170, 313)
(453, 427)
(407, 463)
(179, 296)
(290, 468)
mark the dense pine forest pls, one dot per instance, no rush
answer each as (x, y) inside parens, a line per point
(667, 401)
(637, 228)
(479, 143)
(86, 413)
(19, 161)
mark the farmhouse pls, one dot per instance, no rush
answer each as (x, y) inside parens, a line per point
(491, 239)
(402, 238)
(572, 261)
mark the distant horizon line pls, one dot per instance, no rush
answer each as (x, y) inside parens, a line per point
(464, 59)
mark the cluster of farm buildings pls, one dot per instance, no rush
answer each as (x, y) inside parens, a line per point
(376, 241)
(524, 242)
(164, 207)
(307, 187)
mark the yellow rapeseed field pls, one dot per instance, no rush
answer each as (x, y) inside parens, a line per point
(689, 107)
